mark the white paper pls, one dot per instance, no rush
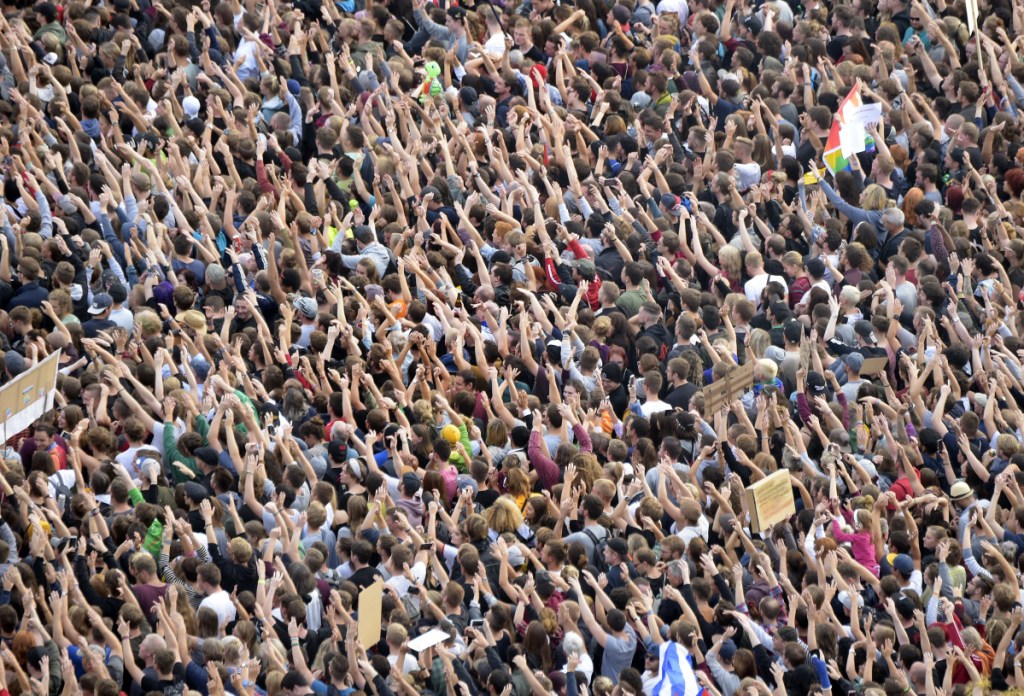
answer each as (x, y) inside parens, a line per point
(867, 114)
(433, 637)
(851, 139)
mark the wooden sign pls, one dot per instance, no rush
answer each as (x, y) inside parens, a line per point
(728, 389)
(370, 601)
(873, 366)
(770, 500)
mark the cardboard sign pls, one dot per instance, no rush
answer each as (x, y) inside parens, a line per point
(728, 389)
(873, 366)
(28, 396)
(770, 500)
(370, 601)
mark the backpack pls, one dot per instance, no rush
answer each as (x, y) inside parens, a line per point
(599, 546)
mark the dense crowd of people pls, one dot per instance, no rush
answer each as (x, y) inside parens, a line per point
(429, 295)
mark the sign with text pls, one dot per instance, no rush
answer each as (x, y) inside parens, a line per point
(28, 396)
(726, 390)
(770, 500)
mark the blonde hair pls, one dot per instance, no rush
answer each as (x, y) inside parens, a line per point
(731, 262)
(503, 515)
(759, 342)
(873, 198)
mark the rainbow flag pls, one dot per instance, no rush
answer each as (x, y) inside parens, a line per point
(845, 119)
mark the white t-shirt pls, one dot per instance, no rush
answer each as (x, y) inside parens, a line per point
(756, 285)
(749, 174)
(495, 45)
(221, 603)
(410, 664)
(247, 52)
(649, 408)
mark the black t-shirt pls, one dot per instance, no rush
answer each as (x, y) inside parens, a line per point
(681, 395)
(175, 686)
(364, 577)
(806, 152)
(92, 327)
(487, 498)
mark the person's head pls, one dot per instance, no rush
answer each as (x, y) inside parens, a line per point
(208, 578)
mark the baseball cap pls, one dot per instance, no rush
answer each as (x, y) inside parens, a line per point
(619, 546)
(793, 331)
(411, 484)
(728, 649)
(864, 329)
(855, 361)
(14, 362)
(195, 491)
(640, 100)
(208, 456)
(816, 383)
(775, 354)
(190, 105)
(612, 372)
(307, 306)
(118, 293)
(753, 23)
(100, 303)
(904, 564)
(337, 451)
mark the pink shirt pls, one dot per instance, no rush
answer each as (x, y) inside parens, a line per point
(863, 549)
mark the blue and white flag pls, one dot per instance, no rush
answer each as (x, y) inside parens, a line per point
(675, 672)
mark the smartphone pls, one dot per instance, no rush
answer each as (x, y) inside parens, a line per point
(426, 547)
(476, 623)
(414, 590)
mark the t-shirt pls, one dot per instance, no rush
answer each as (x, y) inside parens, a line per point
(175, 686)
(618, 654)
(651, 407)
(220, 602)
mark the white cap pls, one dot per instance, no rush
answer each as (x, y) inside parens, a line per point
(191, 106)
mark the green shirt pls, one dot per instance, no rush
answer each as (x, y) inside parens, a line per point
(630, 301)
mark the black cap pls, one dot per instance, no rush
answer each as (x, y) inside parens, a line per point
(457, 13)
(793, 331)
(338, 451)
(118, 293)
(816, 383)
(619, 546)
(410, 483)
(195, 491)
(208, 456)
(612, 372)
